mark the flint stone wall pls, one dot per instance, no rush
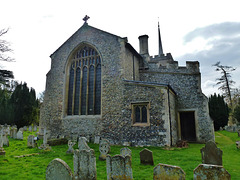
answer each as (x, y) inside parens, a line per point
(186, 82)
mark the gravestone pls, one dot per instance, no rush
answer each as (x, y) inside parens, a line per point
(146, 157)
(5, 140)
(119, 167)
(126, 152)
(208, 171)
(45, 146)
(20, 135)
(31, 142)
(70, 147)
(8, 130)
(82, 144)
(164, 171)
(58, 170)
(238, 133)
(84, 164)
(24, 128)
(14, 133)
(96, 139)
(211, 154)
(2, 152)
(30, 128)
(104, 148)
(35, 128)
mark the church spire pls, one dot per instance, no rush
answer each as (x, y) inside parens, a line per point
(160, 49)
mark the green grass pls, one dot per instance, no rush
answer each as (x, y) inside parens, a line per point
(34, 167)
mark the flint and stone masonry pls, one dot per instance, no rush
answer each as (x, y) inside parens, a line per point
(144, 100)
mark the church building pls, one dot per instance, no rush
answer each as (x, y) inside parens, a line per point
(99, 85)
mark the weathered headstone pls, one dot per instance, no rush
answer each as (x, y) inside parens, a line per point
(84, 163)
(164, 171)
(104, 148)
(70, 147)
(8, 130)
(126, 152)
(5, 140)
(35, 128)
(146, 157)
(45, 145)
(31, 142)
(30, 128)
(207, 171)
(2, 152)
(96, 139)
(14, 132)
(119, 167)
(211, 154)
(58, 170)
(25, 128)
(20, 135)
(82, 144)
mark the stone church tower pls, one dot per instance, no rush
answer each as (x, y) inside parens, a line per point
(99, 85)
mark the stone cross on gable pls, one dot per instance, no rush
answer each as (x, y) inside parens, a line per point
(86, 18)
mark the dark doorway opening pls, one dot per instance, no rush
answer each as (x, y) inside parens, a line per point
(187, 121)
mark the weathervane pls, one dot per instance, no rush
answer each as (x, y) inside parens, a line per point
(86, 18)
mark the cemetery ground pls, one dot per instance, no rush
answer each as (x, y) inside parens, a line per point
(35, 161)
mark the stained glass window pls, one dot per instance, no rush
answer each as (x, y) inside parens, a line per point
(70, 89)
(84, 89)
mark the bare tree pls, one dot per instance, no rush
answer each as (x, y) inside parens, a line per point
(5, 75)
(225, 80)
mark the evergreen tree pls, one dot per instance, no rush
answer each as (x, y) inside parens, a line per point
(218, 111)
(24, 105)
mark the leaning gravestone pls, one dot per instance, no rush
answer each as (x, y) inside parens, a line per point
(119, 167)
(58, 170)
(104, 148)
(211, 154)
(84, 164)
(208, 171)
(146, 157)
(70, 147)
(82, 143)
(164, 171)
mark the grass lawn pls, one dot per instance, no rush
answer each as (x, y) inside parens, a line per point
(34, 167)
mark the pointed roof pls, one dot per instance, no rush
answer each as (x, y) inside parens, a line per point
(160, 49)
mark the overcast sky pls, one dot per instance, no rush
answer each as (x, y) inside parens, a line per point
(199, 30)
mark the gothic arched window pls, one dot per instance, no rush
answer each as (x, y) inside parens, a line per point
(84, 89)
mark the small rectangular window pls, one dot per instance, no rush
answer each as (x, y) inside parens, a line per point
(140, 114)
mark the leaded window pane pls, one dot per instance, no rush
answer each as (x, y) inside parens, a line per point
(137, 114)
(90, 90)
(70, 90)
(144, 114)
(98, 90)
(84, 91)
(77, 91)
